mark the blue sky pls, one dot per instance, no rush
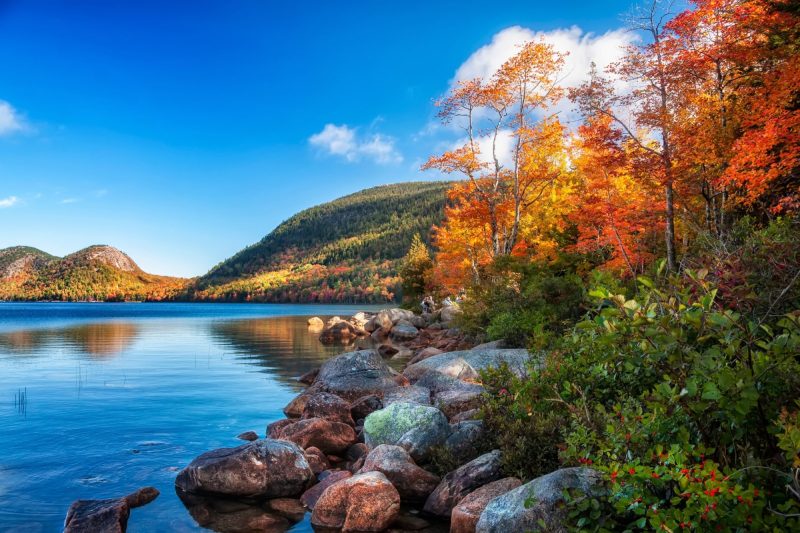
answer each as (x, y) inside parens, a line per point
(181, 132)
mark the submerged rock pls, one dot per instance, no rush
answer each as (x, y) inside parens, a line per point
(265, 468)
(509, 512)
(417, 428)
(106, 516)
(364, 502)
(224, 515)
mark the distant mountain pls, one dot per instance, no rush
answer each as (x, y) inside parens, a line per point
(96, 273)
(346, 250)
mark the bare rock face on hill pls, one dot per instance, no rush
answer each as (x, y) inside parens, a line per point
(107, 255)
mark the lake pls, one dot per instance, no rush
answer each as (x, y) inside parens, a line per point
(98, 400)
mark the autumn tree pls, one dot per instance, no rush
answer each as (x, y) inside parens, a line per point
(614, 211)
(415, 271)
(512, 158)
(647, 111)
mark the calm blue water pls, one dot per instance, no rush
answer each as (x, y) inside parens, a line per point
(97, 400)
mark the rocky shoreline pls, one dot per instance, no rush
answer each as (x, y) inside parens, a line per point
(358, 445)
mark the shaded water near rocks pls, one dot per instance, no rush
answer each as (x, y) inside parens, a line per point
(97, 400)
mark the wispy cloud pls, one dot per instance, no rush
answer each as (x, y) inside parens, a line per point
(9, 201)
(10, 120)
(70, 200)
(345, 142)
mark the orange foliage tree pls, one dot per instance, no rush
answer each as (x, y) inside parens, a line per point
(512, 158)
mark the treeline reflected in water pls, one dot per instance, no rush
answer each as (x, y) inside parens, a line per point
(97, 341)
(281, 346)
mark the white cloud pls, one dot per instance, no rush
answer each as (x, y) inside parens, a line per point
(582, 48)
(345, 142)
(8, 202)
(10, 119)
(69, 200)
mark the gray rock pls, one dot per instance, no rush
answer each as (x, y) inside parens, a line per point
(417, 428)
(509, 513)
(411, 394)
(464, 439)
(452, 402)
(462, 481)
(355, 374)
(449, 313)
(265, 468)
(466, 364)
(438, 383)
(404, 331)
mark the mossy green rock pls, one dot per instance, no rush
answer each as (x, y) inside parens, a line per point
(417, 428)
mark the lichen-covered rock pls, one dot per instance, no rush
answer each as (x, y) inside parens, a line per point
(417, 428)
(466, 514)
(508, 512)
(329, 407)
(411, 394)
(355, 374)
(330, 437)
(412, 482)
(106, 516)
(364, 502)
(265, 468)
(462, 481)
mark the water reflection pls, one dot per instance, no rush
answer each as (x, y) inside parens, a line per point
(98, 341)
(285, 347)
(231, 516)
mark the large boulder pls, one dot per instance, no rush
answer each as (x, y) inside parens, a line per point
(265, 468)
(341, 331)
(417, 428)
(467, 364)
(510, 513)
(106, 516)
(329, 407)
(364, 502)
(355, 374)
(412, 482)
(330, 437)
(466, 514)
(438, 383)
(404, 331)
(462, 481)
(312, 495)
(411, 394)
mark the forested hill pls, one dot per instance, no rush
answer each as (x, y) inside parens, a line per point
(346, 250)
(95, 273)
